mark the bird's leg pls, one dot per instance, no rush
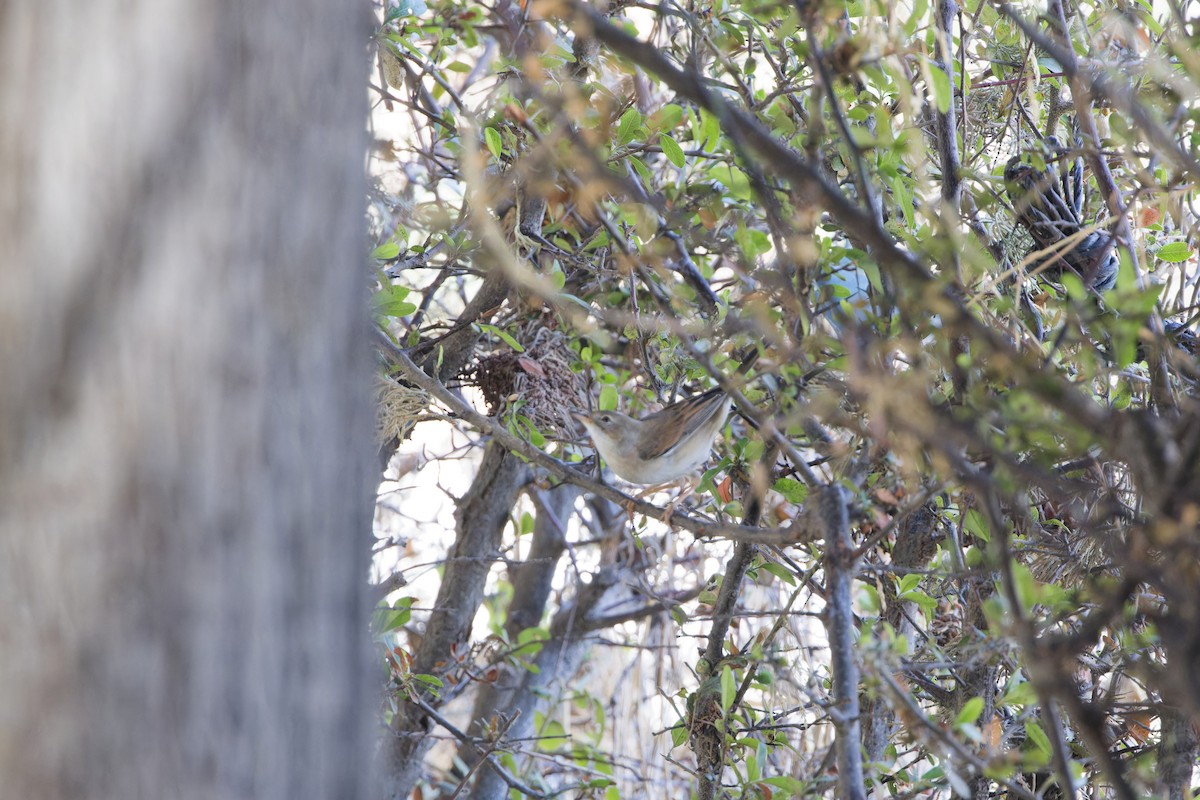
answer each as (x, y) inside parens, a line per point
(527, 233)
(526, 246)
(689, 488)
(655, 489)
(688, 485)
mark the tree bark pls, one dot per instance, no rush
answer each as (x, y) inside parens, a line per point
(185, 420)
(840, 568)
(482, 515)
(555, 664)
(1176, 754)
(532, 582)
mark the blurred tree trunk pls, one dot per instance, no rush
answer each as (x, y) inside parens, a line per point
(185, 426)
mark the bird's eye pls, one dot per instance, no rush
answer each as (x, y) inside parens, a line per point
(605, 418)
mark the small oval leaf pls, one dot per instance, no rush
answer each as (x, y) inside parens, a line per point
(1174, 252)
(671, 150)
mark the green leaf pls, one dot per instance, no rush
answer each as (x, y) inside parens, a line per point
(1020, 694)
(679, 735)
(869, 599)
(903, 199)
(386, 251)
(665, 118)
(781, 572)
(608, 398)
(577, 301)
(1049, 64)
(1125, 347)
(1026, 585)
(535, 436)
(402, 41)
(919, 9)
(642, 170)
(971, 711)
(908, 582)
(975, 525)
(792, 490)
(390, 619)
(1135, 302)
(707, 486)
(1038, 737)
(671, 150)
(752, 241)
(753, 768)
(561, 53)
(551, 736)
(939, 82)
(728, 687)
(534, 635)
(630, 124)
(926, 603)
(1123, 396)
(933, 775)
(1174, 252)
(507, 339)
(754, 450)
(737, 183)
(492, 138)
(432, 680)
(710, 131)
(792, 787)
(390, 301)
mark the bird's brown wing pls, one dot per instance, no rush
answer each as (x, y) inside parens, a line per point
(1040, 202)
(692, 411)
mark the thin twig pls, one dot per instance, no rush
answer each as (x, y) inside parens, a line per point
(492, 761)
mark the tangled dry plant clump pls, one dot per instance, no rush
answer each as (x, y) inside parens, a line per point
(537, 383)
(399, 408)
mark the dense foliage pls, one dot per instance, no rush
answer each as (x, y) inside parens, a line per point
(950, 546)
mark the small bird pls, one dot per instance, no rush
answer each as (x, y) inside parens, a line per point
(1050, 207)
(663, 446)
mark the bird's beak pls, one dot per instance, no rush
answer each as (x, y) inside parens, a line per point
(583, 421)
